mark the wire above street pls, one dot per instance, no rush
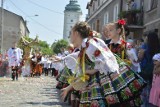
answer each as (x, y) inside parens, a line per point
(34, 19)
(44, 7)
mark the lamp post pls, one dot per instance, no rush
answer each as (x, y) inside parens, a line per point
(1, 35)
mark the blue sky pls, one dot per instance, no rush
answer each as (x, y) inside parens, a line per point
(49, 24)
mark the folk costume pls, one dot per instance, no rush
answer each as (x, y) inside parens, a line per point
(112, 84)
(120, 49)
(33, 65)
(38, 67)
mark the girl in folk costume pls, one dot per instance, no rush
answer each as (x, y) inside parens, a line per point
(154, 98)
(14, 58)
(118, 45)
(104, 85)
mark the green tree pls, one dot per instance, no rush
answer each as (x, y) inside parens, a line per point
(45, 48)
(59, 45)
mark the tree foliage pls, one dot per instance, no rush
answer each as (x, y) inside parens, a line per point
(59, 45)
(45, 48)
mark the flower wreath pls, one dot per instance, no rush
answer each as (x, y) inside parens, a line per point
(122, 22)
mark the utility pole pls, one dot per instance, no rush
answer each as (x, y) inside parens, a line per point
(1, 35)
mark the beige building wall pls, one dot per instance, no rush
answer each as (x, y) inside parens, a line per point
(13, 28)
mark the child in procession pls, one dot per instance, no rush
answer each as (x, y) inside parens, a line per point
(154, 98)
(102, 69)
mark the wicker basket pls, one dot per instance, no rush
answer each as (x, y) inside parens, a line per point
(78, 84)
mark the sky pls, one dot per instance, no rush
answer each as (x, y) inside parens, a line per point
(48, 25)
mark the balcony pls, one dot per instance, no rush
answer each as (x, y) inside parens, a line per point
(133, 17)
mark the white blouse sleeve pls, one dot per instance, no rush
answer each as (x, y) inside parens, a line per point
(71, 61)
(99, 53)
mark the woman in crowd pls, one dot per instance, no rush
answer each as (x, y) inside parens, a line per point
(146, 52)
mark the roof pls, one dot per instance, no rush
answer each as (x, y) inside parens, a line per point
(73, 6)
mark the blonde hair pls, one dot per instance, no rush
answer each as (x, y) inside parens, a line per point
(118, 26)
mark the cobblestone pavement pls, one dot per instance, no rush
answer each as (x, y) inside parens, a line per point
(30, 92)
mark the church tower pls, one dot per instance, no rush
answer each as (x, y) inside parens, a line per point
(72, 14)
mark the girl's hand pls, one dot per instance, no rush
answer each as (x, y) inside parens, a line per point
(65, 92)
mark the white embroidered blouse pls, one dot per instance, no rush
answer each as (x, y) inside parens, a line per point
(98, 53)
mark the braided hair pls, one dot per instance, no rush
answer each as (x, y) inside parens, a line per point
(82, 28)
(121, 27)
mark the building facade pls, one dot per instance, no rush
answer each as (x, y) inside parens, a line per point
(72, 14)
(152, 16)
(14, 27)
(141, 15)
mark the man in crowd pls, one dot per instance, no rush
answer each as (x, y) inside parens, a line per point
(14, 58)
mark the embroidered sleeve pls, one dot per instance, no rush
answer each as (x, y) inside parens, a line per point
(99, 53)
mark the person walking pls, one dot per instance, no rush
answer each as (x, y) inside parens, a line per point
(15, 58)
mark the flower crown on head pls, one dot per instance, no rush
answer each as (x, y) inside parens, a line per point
(122, 22)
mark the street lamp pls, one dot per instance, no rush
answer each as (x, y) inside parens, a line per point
(36, 15)
(33, 15)
(1, 35)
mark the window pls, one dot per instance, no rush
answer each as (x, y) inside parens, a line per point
(106, 18)
(115, 15)
(69, 33)
(99, 2)
(154, 4)
(93, 6)
(89, 11)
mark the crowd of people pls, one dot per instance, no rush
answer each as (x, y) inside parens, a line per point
(93, 72)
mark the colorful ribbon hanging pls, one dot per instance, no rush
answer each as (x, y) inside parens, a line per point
(84, 77)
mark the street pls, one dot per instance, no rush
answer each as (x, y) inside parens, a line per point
(30, 92)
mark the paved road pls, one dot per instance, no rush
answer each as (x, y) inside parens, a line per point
(30, 92)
